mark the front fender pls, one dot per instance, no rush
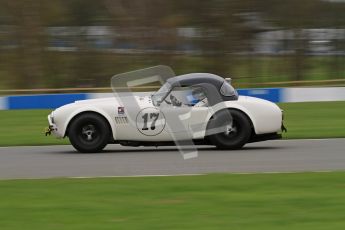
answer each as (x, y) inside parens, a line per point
(88, 109)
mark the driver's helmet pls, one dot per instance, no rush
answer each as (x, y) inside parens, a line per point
(196, 95)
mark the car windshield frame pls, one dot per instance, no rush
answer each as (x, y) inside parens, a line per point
(159, 96)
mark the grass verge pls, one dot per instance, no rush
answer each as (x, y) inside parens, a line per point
(303, 120)
(314, 119)
(260, 201)
(25, 127)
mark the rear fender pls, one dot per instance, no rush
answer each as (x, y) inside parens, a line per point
(227, 105)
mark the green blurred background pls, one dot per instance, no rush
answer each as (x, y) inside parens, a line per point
(82, 43)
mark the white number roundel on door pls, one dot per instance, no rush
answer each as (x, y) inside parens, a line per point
(150, 121)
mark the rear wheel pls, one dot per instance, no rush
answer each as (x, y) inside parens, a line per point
(89, 133)
(229, 129)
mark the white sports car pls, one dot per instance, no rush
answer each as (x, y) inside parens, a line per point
(197, 108)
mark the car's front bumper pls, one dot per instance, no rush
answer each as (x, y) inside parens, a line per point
(52, 128)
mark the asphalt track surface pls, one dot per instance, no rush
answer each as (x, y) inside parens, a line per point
(269, 156)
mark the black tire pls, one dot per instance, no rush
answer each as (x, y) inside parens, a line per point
(89, 133)
(224, 137)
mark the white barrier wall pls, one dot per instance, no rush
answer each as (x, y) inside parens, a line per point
(313, 94)
(3, 103)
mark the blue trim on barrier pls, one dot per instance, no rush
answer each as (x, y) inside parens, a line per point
(270, 94)
(45, 101)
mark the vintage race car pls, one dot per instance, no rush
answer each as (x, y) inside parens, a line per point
(196, 108)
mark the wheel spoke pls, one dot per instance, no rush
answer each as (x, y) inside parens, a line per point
(88, 132)
(89, 137)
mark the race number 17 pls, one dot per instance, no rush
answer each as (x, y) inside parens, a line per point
(150, 117)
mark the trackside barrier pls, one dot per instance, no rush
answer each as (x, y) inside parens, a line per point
(270, 94)
(43, 101)
(3, 103)
(313, 94)
(52, 101)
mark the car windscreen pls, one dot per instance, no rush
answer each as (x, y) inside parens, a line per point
(159, 96)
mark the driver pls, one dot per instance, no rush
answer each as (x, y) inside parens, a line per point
(199, 96)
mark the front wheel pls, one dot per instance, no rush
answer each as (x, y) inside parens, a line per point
(89, 133)
(229, 129)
